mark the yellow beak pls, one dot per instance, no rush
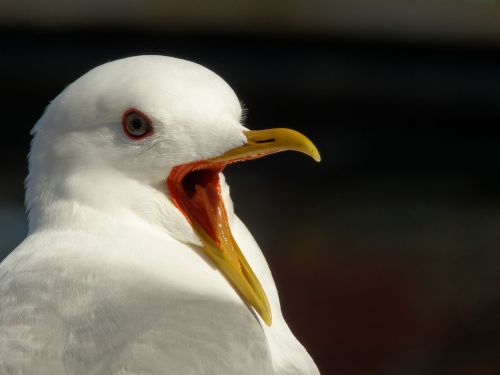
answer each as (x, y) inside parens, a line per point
(259, 143)
(198, 197)
(269, 141)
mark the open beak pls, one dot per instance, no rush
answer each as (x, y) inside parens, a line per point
(195, 190)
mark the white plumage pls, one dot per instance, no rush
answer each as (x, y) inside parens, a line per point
(112, 278)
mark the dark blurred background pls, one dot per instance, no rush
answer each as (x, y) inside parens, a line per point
(387, 253)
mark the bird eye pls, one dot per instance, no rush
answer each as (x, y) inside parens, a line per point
(136, 124)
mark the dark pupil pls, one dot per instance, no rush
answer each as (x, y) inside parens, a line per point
(136, 123)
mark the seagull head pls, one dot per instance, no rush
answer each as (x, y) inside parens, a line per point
(162, 125)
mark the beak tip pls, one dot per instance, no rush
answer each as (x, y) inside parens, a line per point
(315, 154)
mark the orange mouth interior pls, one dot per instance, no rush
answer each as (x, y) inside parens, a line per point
(195, 190)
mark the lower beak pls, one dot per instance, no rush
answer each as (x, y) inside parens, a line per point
(195, 190)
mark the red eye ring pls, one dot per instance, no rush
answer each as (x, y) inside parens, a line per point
(136, 125)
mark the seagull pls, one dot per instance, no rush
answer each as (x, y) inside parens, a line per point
(135, 262)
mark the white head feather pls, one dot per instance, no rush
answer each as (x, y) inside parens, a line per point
(81, 159)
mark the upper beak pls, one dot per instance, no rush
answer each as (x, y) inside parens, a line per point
(199, 199)
(264, 142)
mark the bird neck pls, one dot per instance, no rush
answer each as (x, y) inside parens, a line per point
(90, 200)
